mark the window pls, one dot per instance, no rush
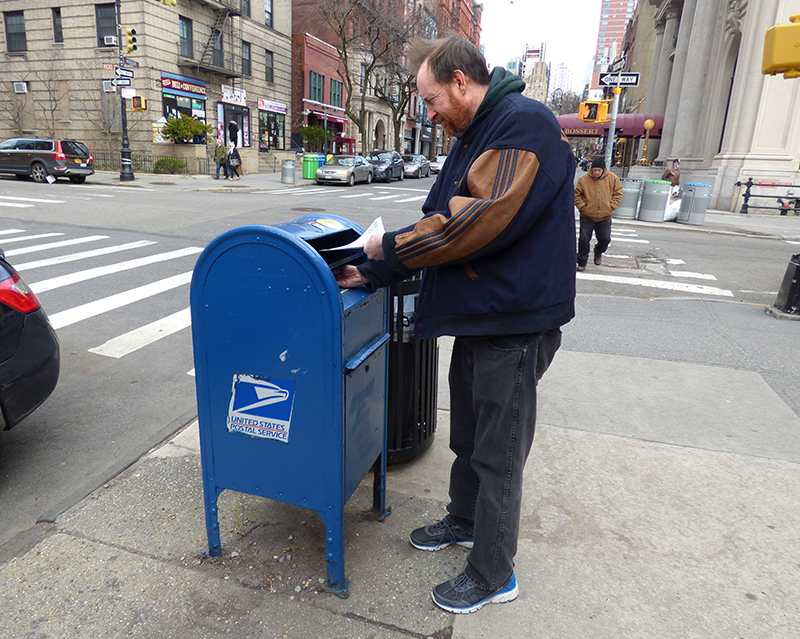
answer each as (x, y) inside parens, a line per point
(15, 31)
(268, 13)
(245, 5)
(336, 93)
(58, 34)
(217, 53)
(316, 82)
(269, 63)
(106, 18)
(186, 37)
(246, 61)
(363, 78)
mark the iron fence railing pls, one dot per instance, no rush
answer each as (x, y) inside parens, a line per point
(153, 163)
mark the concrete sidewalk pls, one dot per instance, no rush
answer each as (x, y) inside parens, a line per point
(622, 536)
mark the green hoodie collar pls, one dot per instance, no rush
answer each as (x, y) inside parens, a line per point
(501, 83)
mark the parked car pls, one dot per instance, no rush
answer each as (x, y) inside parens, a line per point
(40, 157)
(29, 351)
(345, 169)
(387, 165)
(436, 165)
(416, 166)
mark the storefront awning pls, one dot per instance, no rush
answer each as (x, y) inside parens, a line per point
(327, 116)
(629, 125)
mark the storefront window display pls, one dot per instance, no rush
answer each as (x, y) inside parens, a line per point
(233, 108)
(271, 125)
(181, 95)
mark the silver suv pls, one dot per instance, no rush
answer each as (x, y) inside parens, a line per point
(42, 157)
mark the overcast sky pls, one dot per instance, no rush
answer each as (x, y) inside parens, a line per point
(568, 27)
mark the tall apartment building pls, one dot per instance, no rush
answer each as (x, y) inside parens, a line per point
(614, 16)
(535, 72)
(214, 60)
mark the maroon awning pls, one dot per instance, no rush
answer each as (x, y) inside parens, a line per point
(629, 125)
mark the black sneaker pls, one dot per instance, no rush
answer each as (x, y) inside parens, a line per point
(463, 594)
(441, 535)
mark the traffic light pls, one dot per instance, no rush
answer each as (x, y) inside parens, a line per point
(782, 49)
(169, 3)
(130, 39)
(138, 103)
(594, 110)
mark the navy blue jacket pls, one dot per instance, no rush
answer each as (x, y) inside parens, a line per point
(497, 240)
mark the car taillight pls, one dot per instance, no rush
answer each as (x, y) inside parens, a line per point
(91, 159)
(59, 153)
(16, 294)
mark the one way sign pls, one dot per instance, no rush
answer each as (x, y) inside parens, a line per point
(624, 79)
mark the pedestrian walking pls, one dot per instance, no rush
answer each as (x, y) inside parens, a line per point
(597, 194)
(233, 132)
(221, 158)
(234, 162)
(496, 248)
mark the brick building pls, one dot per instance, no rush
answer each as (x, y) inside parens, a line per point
(216, 61)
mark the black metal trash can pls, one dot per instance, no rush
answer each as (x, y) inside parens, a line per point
(413, 379)
(788, 299)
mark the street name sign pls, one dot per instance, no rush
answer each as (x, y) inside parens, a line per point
(130, 62)
(123, 73)
(625, 79)
(121, 82)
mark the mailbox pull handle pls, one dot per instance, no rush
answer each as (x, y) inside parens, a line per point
(354, 362)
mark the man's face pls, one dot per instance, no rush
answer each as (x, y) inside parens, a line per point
(597, 171)
(445, 103)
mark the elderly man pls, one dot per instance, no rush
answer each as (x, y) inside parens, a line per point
(497, 249)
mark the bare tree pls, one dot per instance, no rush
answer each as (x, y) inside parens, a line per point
(14, 108)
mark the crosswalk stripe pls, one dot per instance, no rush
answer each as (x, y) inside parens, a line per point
(385, 197)
(144, 335)
(357, 195)
(52, 245)
(100, 271)
(30, 199)
(16, 205)
(91, 309)
(301, 191)
(11, 231)
(412, 199)
(27, 238)
(72, 257)
(672, 286)
(691, 275)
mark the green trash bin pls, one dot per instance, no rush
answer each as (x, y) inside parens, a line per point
(310, 166)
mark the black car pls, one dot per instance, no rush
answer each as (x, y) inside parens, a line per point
(387, 164)
(29, 351)
(41, 157)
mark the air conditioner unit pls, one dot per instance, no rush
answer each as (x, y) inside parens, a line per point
(20, 87)
(110, 41)
(109, 87)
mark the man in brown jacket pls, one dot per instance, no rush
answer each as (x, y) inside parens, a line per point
(597, 194)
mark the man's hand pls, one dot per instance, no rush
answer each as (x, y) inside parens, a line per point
(373, 248)
(348, 276)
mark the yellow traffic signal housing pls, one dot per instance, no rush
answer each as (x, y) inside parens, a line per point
(170, 3)
(782, 49)
(594, 110)
(138, 103)
(130, 39)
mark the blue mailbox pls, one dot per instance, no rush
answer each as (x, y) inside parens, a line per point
(291, 374)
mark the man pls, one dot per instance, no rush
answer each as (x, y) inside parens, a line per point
(221, 158)
(497, 249)
(673, 174)
(597, 194)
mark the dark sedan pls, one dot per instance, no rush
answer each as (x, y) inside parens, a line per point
(416, 166)
(45, 159)
(387, 165)
(29, 351)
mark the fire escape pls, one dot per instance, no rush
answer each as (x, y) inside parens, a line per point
(213, 57)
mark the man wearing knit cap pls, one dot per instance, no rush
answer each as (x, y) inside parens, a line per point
(597, 194)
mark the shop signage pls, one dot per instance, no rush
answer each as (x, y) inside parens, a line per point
(178, 84)
(269, 105)
(232, 95)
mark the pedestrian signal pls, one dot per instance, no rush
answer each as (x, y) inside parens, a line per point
(138, 103)
(130, 39)
(594, 111)
(782, 49)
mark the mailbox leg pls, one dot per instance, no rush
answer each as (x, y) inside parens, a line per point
(334, 553)
(212, 521)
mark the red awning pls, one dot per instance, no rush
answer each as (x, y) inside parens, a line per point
(327, 116)
(629, 125)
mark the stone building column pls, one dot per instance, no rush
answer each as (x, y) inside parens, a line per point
(676, 80)
(657, 101)
(651, 85)
(695, 83)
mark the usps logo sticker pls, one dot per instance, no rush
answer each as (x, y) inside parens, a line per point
(261, 407)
